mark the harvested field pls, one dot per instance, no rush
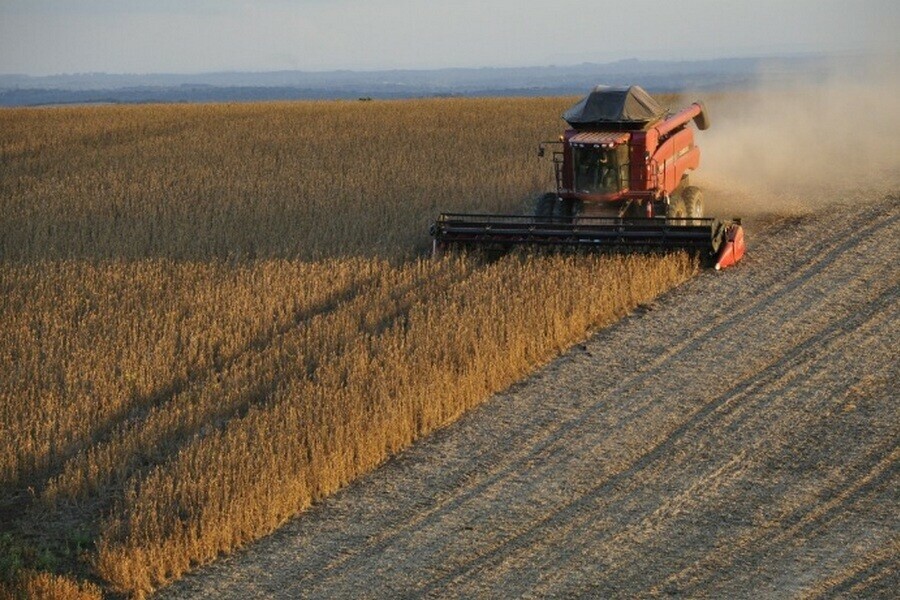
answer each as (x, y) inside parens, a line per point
(736, 438)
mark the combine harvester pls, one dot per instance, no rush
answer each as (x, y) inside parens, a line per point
(621, 183)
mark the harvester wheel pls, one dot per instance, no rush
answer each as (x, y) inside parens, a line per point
(545, 205)
(693, 202)
(676, 208)
(566, 209)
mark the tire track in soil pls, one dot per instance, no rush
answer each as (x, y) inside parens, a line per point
(801, 523)
(440, 518)
(753, 415)
(877, 577)
(574, 515)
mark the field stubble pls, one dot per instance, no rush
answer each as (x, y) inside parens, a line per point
(214, 316)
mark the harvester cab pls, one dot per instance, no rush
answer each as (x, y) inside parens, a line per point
(621, 182)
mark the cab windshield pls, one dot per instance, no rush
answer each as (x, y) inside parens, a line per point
(600, 170)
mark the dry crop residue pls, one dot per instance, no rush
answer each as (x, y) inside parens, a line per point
(739, 438)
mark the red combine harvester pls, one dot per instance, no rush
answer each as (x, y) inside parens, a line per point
(621, 182)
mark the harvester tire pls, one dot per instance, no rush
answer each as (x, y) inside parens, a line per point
(545, 205)
(567, 209)
(693, 202)
(676, 208)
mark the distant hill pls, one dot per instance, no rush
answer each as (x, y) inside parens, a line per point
(658, 76)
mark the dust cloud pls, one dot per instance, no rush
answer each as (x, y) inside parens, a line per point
(795, 147)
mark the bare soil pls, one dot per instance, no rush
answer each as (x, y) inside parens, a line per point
(739, 438)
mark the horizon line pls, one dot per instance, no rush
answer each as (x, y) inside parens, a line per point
(749, 57)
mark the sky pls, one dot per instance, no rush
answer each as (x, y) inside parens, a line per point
(44, 37)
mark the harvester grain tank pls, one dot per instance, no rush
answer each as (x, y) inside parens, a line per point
(622, 181)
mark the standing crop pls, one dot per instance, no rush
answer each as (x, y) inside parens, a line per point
(213, 316)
